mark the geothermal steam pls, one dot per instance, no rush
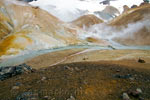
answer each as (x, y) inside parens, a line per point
(110, 33)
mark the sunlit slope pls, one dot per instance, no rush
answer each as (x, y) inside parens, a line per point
(137, 22)
(23, 27)
(132, 16)
(87, 21)
(5, 22)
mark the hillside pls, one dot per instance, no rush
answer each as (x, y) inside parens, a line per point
(87, 21)
(134, 26)
(132, 16)
(26, 28)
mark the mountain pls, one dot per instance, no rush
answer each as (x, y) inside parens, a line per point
(87, 21)
(108, 13)
(136, 27)
(24, 28)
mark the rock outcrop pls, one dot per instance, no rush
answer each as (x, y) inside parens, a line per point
(10, 71)
(108, 13)
(125, 8)
(27, 0)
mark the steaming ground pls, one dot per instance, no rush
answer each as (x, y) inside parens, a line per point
(70, 10)
(110, 33)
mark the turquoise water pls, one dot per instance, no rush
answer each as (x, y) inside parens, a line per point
(22, 58)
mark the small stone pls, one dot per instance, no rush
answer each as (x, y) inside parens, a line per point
(123, 76)
(33, 70)
(141, 98)
(69, 68)
(136, 93)
(141, 61)
(126, 96)
(117, 70)
(131, 78)
(77, 69)
(15, 87)
(46, 98)
(109, 46)
(71, 98)
(43, 78)
(138, 90)
(28, 96)
(18, 84)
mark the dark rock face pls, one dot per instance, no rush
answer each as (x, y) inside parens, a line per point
(134, 6)
(10, 71)
(27, 0)
(147, 1)
(106, 2)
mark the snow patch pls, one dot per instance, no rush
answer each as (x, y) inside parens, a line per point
(69, 10)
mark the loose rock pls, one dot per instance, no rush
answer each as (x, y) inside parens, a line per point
(71, 98)
(139, 91)
(15, 87)
(123, 76)
(46, 98)
(43, 78)
(141, 98)
(28, 96)
(136, 93)
(141, 61)
(132, 79)
(126, 96)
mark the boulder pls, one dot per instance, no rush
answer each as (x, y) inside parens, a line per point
(10, 71)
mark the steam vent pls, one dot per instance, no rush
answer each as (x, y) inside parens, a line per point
(74, 50)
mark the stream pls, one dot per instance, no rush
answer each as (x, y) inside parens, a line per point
(31, 54)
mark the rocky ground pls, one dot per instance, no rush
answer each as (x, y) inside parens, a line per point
(79, 81)
(83, 78)
(127, 58)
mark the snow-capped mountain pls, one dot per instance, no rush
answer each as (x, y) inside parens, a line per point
(69, 10)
